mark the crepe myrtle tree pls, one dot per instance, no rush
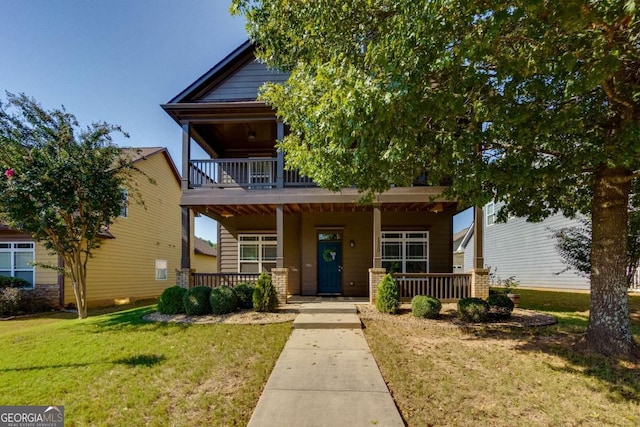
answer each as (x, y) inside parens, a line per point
(62, 184)
(532, 103)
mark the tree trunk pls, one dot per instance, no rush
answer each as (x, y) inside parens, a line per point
(609, 328)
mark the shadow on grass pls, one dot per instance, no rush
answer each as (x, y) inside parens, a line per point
(147, 360)
(140, 360)
(132, 321)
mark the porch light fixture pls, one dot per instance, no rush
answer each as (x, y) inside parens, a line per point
(352, 244)
(251, 136)
(437, 208)
(226, 214)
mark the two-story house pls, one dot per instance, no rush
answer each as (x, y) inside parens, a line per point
(270, 218)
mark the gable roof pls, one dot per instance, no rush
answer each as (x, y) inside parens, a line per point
(138, 154)
(460, 244)
(202, 247)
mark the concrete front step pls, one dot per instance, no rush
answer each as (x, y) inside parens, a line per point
(328, 307)
(327, 321)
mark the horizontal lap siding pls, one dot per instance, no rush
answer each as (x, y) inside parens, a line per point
(527, 251)
(204, 263)
(45, 276)
(124, 267)
(244, 84)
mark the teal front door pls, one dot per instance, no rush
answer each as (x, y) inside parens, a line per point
(329, 267)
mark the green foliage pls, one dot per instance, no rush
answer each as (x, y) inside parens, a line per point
(10, 301)
(387, 296)
(245, 294)
(500, 306)
(197, 301)
(60, 183)
(172, 300)
(426, 306)
(473, 310)
(223, 300)
(13, 282)
(265, 297)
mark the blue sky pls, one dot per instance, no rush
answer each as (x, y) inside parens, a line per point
(118, 60)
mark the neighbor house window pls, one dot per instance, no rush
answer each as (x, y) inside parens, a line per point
(16, 260)
(257, 252)
(161, 269)
(124, 211)
(405, 251)
(490, 212)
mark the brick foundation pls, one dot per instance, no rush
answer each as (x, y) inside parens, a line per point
(375, 277)
(184, 277)
(480, 283)
(280, 280)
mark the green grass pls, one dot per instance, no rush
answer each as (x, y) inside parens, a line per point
(116, 369)
(442, 375)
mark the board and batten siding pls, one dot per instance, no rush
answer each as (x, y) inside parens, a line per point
(123, 268)
(527, 251)
(244, 83)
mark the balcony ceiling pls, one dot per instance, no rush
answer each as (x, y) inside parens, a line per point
(237, 139)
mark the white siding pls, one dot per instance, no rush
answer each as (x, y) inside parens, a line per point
(468, 255)
(527, 250)
(244, 83)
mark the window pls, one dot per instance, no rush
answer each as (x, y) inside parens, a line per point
(405, 251)
(124, 210)
(16, 260)
(490, 212)
(161, 269)
(257, 252)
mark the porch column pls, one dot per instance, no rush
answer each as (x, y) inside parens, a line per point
(480, 283)
(280, 280)
(280, 236)
(478, 233)
(377, 239)
(186, 154)
(185, 260)
(280, 156)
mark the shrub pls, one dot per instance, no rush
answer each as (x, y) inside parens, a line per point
(473, 310)
(265, 297)
(425, 306)
(500, 306)
(244, 291)
(9, 301)
(196, 301)
(172, 300)
(13, 282)
(223, 300)
(387, 297)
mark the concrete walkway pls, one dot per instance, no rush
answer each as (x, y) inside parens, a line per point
(326, 375)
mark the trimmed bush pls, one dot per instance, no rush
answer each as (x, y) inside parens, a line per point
(196, 301)
(387, 297)
(425, 306)
(10, 301)
(500, 306)
(223, 300)
(473, 310)
(265, 297)
(244, 291)
(172, 300)
(13, 282)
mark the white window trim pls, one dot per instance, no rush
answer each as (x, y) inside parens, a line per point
(162, 265)
(124, 212)
(403, 240)
(261, 242)
(490, 214)
(12, 250)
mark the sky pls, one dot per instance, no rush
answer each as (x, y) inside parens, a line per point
(117, 61)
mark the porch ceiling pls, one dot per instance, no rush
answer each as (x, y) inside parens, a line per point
(229, 211)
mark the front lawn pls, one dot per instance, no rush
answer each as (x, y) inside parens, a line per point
(442, 375)
(115, 369)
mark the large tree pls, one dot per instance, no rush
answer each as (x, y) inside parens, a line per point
(534, 103)
(60, 183)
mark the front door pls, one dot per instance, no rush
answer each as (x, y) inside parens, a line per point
(329, 266)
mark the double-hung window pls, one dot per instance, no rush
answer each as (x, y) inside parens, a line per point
(490, 213)
(405, 251)
(16, 260)
(257, 252)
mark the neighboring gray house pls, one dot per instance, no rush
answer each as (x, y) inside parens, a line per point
(523, 249)
(463, 250)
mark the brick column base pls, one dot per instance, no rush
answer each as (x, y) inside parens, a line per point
(184, 277)
(280, 280)
(375, 277)
(480, 283)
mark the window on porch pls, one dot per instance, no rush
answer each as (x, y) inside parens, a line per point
(405, 251)
(257, 252)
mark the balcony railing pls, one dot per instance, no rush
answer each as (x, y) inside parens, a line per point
(444, 286)
(245, 173)
(213, 280)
